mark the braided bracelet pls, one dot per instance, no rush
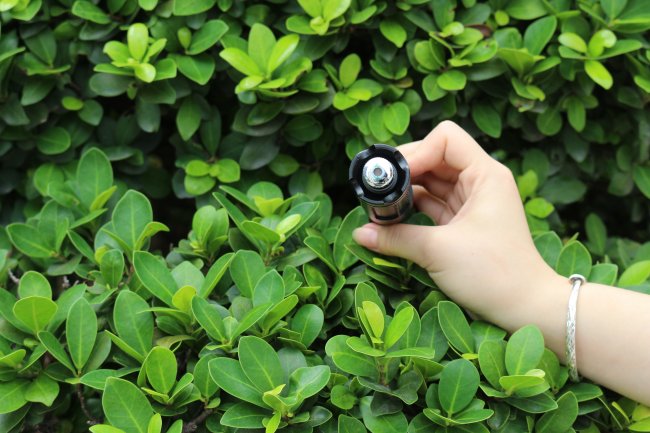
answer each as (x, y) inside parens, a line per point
(576, 280)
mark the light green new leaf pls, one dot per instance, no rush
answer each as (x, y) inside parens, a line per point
(35, 312)
(597, 72)
(398, 326)
(81, 332)
(33, 283)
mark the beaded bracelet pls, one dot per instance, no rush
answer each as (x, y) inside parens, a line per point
(577, 281)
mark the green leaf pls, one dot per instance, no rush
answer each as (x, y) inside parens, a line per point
(131, 215)
(244, 416)
(125, 406)
(282, 50)
(191, 7)
(574, 259)
(56, 349)
(155, 276)
(560, 419)
(215, 273)
(133, 321)
(390, 423)
(455, 326)
(491, 358)
(138, 40)
(539, 207)
(347, 424)
(349, 70)
(35, 312)
(207, 36)
(524, 350)
(458, 385)
(539, 33)
(307, 381)
(527, 385)
(246, 270)
(209, 319)
(161, 369)
(42, 390)
(81, 332)
(487, 119)
(642, 179)
(29, 241)
(342, 256)
(89, 12)
(396, 117)
(638, 273)
(94, 176)
(241, 61)
(199, 68)
(260, 363)
(12, 395)
(308, 322)
(398, 326)
(33, 283)
(269, 289)
(573, 41)
(54, 141)
(596, 233)
(230, 377)
(393, 31)
(452, 80)
(599, 73)
(188, 118)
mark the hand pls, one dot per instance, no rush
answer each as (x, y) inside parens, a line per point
(481, 253)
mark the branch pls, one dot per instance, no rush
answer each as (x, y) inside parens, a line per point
(82, 402)
(194, 424)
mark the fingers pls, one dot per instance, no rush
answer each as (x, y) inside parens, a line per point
(431, 206)
(448, 143)
(402, 240)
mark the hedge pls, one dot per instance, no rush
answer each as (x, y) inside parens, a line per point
(176, 251)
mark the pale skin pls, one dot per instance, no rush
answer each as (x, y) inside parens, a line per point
(482, 256)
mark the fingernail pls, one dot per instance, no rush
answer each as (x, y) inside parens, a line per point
(366, 236)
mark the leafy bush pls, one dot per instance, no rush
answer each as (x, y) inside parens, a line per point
(266, 315)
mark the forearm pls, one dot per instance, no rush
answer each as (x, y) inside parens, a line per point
(612, 332)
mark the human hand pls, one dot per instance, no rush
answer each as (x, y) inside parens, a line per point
(481, 253)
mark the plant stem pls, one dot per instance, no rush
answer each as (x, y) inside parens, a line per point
(82, 402)
(194, 424)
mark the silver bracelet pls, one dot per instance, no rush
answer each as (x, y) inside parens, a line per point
(577, 280)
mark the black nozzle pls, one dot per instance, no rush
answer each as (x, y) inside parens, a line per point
(381, 179)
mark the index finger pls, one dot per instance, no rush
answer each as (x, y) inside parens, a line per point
(448, 143)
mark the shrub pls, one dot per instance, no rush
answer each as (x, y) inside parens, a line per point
(249, 307)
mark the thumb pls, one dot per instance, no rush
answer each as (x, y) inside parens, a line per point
(408, 241)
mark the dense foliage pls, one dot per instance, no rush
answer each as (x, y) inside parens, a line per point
(248, 307)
